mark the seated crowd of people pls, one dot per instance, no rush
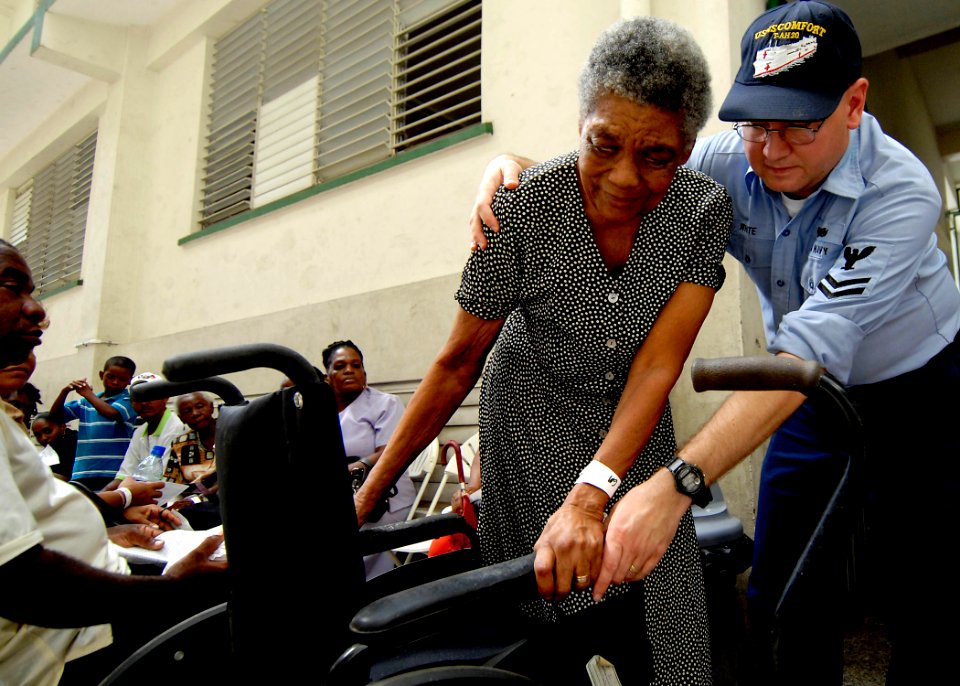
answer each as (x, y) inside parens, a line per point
(115, 435)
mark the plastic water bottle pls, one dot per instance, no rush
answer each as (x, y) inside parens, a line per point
(151, 467)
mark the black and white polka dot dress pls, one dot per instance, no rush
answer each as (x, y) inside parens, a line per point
(559, 366)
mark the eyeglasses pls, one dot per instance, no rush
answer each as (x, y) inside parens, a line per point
(794, 135)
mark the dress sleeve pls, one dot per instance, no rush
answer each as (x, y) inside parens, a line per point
(714, 220)
(489, 285)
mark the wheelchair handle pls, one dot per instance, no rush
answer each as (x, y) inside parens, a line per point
(155, 390)
(756, 374)
(216, 361)
(806, 376)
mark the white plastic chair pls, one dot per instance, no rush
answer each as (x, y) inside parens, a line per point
(421, 469)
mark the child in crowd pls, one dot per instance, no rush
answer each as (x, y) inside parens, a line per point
(158, 426)
(106, 422)
(61, 438)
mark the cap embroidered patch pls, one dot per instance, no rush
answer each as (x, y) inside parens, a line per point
(775, 59)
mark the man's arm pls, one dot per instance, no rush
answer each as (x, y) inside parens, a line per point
(503, 170)
(644, 522)
(99, 404)
(36, 571)
(56, 409)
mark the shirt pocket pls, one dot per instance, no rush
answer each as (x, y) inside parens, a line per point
(754, 253)
(821, 257)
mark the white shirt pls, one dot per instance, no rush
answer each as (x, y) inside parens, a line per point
(141, 443)
(39, 509)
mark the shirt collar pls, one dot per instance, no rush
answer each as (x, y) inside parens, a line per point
(163, 422)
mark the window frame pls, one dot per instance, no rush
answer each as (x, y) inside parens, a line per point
(234, 184)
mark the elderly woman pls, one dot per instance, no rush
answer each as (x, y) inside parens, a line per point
(588, 302)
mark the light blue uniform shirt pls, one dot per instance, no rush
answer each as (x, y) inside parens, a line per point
(855, 280)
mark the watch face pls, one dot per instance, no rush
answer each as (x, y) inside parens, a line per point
(691, 480)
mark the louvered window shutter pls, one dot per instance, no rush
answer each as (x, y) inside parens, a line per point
(307, 91)
(50, 217)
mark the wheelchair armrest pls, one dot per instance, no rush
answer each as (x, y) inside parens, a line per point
(508, 580)
(390, 536)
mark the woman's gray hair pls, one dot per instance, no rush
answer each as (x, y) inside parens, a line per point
(649, 61)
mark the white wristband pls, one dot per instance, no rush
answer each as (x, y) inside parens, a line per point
(127, 496)
(601, 476)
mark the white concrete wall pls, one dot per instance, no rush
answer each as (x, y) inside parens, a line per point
(376, 260)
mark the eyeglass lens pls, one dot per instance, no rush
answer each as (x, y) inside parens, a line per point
(795, 135)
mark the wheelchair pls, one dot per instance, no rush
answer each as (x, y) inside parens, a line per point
(293, 609)
(292, 597)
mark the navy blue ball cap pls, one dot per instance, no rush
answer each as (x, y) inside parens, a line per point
(797, 60)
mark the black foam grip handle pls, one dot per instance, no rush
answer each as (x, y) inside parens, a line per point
(154, 390)
(766, 373)
(216, 361)
(504, 578)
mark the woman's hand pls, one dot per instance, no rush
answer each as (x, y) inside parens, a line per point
(568, 552)
(363, 503)
(503, 170)
(639, 531)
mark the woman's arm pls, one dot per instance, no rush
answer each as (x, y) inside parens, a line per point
(571, 544)
(448, 381)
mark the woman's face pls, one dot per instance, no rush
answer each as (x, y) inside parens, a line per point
(46, 431)
(195, 410)
(628, 156)
(345, 373)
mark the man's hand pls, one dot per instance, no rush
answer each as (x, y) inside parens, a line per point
(503, 170)
(82, 388)
(154, 516)
(639, 531)
(568, 552)
(143, 492)
(135, 536)
(198, 561)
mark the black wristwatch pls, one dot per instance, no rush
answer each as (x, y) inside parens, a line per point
(690, 481)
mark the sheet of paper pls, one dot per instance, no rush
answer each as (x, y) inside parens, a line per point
(176, 544)
(49, 456)
(171, 492)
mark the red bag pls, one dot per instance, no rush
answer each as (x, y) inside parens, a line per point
(446, 544)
